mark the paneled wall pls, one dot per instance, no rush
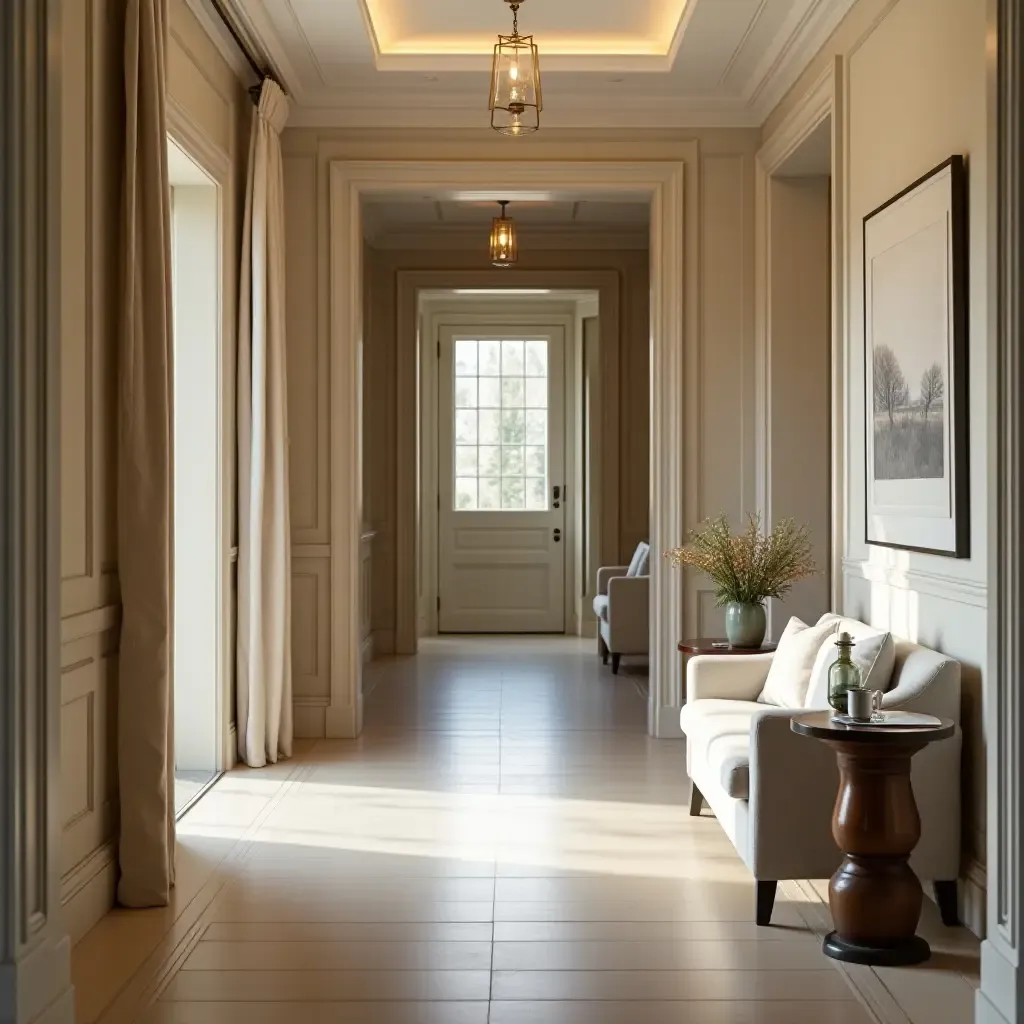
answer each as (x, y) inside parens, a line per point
(915, 84)
(719, 393)
(204, 87)
(90, 212)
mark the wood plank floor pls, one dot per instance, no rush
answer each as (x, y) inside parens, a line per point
(503, 844)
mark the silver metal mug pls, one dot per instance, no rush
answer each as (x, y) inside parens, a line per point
(862, 705)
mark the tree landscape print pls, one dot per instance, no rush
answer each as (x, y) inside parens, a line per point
(909, 401)
(916, 443)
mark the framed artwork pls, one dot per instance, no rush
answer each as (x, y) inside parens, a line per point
(915, 335)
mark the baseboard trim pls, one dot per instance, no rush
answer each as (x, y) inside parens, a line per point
(986, 1012)
(89, 890)
(309, 723)
(663, 722)
(383, 641)
(973, 898)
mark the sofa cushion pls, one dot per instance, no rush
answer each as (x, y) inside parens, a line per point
(793, 661)
(718, 734)
(601, 606)
(639, 564)
(874, 653)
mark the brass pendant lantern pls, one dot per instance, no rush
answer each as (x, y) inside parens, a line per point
(504, 245)
(515, 101)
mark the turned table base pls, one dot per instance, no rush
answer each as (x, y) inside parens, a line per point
(875, 897)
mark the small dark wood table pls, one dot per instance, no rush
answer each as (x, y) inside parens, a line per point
(875, 896)
(703, 645)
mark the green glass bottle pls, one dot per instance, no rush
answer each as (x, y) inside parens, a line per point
(843, 675)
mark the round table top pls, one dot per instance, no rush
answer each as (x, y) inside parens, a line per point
(706, 645)
(822, 726)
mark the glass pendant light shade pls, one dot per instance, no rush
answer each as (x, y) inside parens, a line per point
(516, 100)
(504, 245)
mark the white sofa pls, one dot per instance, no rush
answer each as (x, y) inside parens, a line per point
(773, 791)
(622, 608)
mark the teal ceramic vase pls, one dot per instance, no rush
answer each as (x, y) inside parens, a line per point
(744, 624)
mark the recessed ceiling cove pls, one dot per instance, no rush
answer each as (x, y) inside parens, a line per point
(605, 63)
(444, 28)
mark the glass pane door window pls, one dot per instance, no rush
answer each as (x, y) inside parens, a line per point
(501, 443)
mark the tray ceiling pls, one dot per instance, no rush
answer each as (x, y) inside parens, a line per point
(405, 27)
(606, 63)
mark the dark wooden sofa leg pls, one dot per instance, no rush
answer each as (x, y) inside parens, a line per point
(696, 801)
(945, 896)
(765, 901)
(615, 664)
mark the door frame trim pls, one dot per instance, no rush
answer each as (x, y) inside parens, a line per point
(215, 162)
(823, 100)
(430, 483)
(662, 182)
(608, 284)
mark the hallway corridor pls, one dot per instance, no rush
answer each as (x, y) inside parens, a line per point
(504, 844)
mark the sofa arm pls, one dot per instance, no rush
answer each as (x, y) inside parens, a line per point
(794, 781)
(608, 573)
(925, 681)
(629, 614)
(726, 676)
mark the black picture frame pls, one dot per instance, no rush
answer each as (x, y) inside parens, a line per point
(898, 531)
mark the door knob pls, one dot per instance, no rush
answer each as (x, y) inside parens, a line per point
(557, 495)
(558, 535)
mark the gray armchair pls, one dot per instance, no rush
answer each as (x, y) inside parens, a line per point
(622, 607)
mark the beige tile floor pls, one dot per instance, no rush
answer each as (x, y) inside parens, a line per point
(503, 844)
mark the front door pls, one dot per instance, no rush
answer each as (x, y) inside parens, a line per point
(501, 462)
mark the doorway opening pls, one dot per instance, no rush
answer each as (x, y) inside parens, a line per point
(198, 584)
(796, 385)
(373, 337)
(509, 484)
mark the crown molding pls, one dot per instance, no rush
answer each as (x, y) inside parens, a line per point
(221, 38)
(254, 24)
(805, 39)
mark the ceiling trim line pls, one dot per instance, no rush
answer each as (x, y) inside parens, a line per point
(812, 33)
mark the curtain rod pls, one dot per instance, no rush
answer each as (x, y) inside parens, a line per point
(251, 60)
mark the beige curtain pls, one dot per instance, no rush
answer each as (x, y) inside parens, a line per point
(264, 654)
(145, 719)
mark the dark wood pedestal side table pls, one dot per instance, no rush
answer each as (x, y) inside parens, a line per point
(875, 896)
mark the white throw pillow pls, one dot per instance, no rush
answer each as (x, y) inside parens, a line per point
(640, 560)
(874, 653)
(793, 662)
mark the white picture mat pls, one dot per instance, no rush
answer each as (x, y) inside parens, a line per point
(908, 292)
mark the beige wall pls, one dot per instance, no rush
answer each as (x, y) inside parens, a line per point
(915, 82)
(719, 392)
(209, 95)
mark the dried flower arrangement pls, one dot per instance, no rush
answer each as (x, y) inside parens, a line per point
(751, 566)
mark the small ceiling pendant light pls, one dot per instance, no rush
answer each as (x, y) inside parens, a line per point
(504, 245)
(515, 101)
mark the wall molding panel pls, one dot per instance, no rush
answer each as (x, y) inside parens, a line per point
(35, 982)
